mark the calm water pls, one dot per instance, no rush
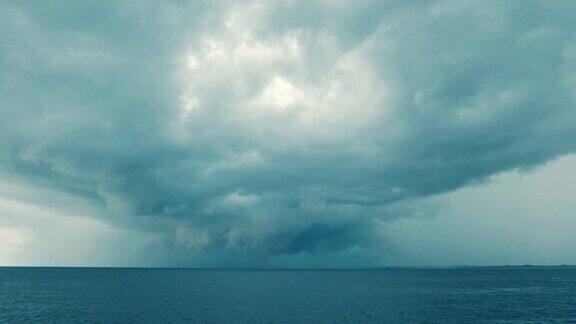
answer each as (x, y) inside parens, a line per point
(318, 296)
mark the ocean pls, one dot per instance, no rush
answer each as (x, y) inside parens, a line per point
(390, 295)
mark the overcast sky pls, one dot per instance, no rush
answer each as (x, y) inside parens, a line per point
(287, 133)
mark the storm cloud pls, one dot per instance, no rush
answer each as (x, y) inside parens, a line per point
(280, 128)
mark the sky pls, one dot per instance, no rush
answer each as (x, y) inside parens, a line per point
(287, 133)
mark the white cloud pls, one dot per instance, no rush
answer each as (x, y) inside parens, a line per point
(276, 129)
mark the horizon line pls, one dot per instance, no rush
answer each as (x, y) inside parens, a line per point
(295, 268)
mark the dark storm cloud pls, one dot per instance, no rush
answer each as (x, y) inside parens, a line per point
(280, 128)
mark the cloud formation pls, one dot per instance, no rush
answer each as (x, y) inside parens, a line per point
(280, 128)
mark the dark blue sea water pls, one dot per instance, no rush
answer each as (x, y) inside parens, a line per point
(506, 294)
